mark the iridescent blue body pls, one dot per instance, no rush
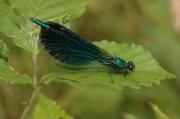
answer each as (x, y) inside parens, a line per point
(69, 48)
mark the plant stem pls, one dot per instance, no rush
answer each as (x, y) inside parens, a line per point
(34, 80)
(36, 89)
(31, 103)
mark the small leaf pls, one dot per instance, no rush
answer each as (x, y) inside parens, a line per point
(48, 109)
(6, 72)
(158, 113)
(15, 17)
(146, 73)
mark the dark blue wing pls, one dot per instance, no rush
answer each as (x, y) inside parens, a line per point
(68, 47)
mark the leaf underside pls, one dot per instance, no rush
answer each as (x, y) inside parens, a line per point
(146, 73)
(7, 73)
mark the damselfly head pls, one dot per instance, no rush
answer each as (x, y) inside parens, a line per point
(130, 66)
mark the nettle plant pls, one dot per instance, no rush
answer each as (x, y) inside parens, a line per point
(15, 23)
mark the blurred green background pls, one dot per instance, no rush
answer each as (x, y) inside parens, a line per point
(155, 24)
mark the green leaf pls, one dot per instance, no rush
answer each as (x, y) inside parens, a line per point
(15, 17)
(158, 113)
(7, 73)
(3, 51)
(129, 116)
(48, 109)
(146, 73)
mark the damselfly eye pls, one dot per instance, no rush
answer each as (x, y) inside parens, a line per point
(131, 66)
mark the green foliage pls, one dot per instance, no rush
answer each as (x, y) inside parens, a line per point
(7, 73)
(159, 114)
(129, 116)
(15, 23)
(93, 103)
(3, 51)
(15, 16)
(147, 69)
(48, 109)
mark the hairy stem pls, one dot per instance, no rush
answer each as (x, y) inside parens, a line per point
(31, 103)
(36, 89)
(34, 80)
